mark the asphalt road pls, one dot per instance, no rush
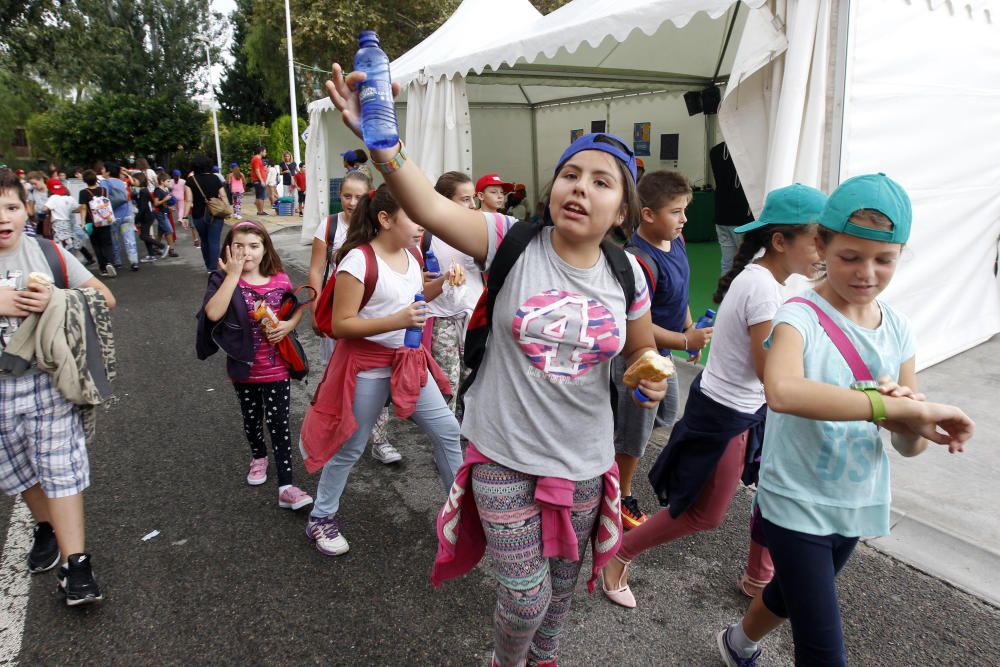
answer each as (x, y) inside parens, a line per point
(231, 578)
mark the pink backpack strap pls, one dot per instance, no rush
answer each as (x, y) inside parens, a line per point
(840, 341)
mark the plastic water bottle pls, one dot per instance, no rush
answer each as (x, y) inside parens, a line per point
(706, 320)
(379, 128)
(431, 263)
(414, 335)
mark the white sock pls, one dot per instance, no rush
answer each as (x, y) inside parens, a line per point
(282, 488)
(740, 642)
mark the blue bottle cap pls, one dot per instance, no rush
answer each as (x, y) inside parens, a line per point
(642, 398)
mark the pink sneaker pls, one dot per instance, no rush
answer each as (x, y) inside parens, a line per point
(294, 498)
(258, 472)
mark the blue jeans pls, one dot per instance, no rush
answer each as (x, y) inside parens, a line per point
(209, 231)
(804, 591)
(123, 236)
(729, 243)
(432, 415)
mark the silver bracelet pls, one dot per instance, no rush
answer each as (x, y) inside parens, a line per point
(684, 336)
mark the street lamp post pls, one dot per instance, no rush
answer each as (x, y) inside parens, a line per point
(291, 84)
(215, 120)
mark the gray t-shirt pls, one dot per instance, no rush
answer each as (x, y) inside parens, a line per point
(541, 403)
(17, 263)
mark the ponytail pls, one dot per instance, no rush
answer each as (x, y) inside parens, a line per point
(753, 241)
(364, 224)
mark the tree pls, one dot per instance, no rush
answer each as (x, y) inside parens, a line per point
(280, 138)
(117, 126)
(241, 93)
(325, 31)
(76, 47)
(548, 6)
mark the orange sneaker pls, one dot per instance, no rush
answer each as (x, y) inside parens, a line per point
(632, 516)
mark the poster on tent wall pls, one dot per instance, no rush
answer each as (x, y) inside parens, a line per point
(598, 126)
(640, 138)
(575, 134)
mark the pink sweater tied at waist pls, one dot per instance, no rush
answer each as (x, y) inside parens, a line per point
(329, 421)
(462, 541)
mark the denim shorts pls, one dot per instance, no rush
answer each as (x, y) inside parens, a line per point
(41, 438)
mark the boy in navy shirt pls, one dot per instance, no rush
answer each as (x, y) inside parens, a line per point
(660, 249)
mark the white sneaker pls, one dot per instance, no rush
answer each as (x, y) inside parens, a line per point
(385, 453)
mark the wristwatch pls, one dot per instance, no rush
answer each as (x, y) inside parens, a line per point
(870, 389)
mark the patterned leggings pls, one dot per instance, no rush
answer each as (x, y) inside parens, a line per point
(268, 402)
(237, 203)
(533, 592)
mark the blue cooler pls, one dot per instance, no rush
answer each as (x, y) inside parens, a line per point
(286, 208)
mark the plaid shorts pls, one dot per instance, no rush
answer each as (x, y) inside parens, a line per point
(41, 438)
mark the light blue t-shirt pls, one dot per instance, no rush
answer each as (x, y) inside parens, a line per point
(824, 477)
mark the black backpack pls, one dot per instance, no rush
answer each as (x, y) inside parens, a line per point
(646, 263)
(511, 248)
(57, 264)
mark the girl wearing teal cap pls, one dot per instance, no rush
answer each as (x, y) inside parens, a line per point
(717, 440)
(538, 416)
(824, 476)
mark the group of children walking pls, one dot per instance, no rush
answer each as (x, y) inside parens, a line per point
(791, 400)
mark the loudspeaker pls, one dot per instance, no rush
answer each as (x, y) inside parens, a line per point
(693, 101)
(710, 98)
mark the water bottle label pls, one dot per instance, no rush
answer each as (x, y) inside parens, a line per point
(373, 94)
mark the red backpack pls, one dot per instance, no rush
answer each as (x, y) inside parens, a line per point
(323, 310)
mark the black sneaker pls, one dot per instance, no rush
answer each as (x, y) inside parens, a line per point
(134, 267)
(44, 554)
(76, 581)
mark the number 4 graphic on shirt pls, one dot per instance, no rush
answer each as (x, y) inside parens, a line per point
(560, 329)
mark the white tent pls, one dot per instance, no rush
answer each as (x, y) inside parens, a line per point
(820, 90)
(535, 78)
(909, 88)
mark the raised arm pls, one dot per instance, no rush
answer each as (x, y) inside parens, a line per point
(460, 227)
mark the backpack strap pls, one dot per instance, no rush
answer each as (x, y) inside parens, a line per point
(371, 273)
(425, 242)
(417, 255)
(57, 263)
(840, 341)
(646, 263)
(331, 233)
(622, 269)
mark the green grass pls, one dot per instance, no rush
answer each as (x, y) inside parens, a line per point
(704, 260)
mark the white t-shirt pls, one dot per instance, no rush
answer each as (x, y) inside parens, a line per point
(461, 298)
(272, 175)
(339, 236)
(393, 292)
(62, 207)
(729, 377)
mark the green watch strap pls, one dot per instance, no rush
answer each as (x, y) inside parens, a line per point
(878, 405)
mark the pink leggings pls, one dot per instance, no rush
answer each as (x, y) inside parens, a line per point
(706, 513)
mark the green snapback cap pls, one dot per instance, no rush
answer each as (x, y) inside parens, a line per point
(873, 191)
(794, 204)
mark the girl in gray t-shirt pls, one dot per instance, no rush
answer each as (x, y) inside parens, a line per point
(540, 405)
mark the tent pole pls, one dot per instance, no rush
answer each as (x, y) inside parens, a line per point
(534, 159)
(843, 11)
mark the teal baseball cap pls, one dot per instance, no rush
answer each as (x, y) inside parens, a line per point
(794, 204)
(873, 191)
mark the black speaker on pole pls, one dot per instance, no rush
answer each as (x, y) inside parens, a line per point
(710, 98)
(693, 101)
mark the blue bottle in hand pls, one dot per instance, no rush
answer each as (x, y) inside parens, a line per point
(413, 335)
(431, 263)
(378, 112)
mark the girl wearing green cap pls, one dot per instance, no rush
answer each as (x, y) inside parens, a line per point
(824, 476)
(717, 440)
(538, 416)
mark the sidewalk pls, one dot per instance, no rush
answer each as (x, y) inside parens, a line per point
(946, 509)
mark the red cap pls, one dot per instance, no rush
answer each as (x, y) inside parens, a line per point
(639, 163)
(492, 179)
(20, 172)
(56, 187)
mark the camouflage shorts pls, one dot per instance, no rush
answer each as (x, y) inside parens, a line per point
(448, 348)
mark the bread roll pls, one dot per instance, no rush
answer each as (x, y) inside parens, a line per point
(456, 276)
(40, 279)
(650, 366)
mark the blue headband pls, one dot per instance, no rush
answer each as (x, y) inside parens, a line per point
(600, 141)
